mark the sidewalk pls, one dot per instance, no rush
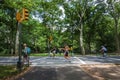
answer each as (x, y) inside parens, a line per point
(55, 73)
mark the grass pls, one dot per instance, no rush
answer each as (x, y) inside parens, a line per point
(43, 54)
(2, 54)
(7, 72)
(39, 54)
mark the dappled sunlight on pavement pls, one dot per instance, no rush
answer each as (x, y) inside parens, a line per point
(103, 72)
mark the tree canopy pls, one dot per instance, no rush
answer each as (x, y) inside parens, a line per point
(83, 24)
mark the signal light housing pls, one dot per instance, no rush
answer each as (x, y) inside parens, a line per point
(18, 16)
(25, 14)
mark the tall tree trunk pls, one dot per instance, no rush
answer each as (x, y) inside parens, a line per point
(89, 47)
(81, 40)
(117, 36)
(12, 44)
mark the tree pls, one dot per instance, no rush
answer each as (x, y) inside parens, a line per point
(76, 13)
(114, 12)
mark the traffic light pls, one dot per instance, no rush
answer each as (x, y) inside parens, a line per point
(50, 38)
(25, 14)
(18, 16)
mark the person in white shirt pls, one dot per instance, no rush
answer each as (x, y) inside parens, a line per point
(103, 50)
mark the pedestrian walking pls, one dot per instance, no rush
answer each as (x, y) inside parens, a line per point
(26, 52)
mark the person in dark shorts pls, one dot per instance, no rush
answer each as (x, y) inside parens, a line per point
(66, 52)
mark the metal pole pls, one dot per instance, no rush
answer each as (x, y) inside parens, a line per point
(19, 63)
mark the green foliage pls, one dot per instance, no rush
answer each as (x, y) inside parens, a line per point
(46, 19)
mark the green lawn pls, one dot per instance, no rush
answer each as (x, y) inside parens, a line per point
(1, 54)
(9, 71)
(39, 54)
(44, 54)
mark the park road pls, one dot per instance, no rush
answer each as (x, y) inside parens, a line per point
(55, 73)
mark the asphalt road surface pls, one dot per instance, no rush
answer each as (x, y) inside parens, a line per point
(56, 73)
(58, 68)
(49, 61)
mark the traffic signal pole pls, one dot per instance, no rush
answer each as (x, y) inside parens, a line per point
(21, 17)
(19, 63)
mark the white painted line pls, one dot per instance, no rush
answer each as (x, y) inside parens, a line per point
(80, 60)
(33, 64)
(35, 60)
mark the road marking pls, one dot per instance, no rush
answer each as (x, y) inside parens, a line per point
(80, 60)
(35, 60)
